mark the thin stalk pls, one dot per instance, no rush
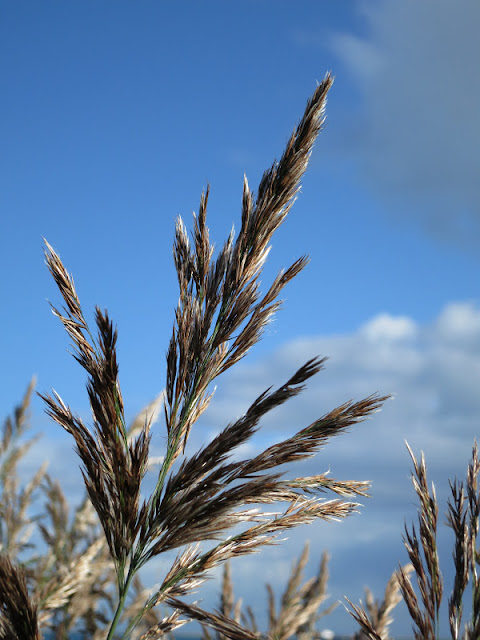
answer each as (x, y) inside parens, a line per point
(121, 603)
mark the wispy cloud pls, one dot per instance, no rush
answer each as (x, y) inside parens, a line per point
(418, 127)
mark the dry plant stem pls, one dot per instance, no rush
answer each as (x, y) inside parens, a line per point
(457, 520)
(222, 624)
(220, 315)
(113, 467)
(426, 566)
(300, 604)
(473, 492)
(57, 575)
(70, 577)
(18, 613)
(299, 607)
(375, 617)
(463, 519)
(228, 607)
(362, 618)
(15, 525)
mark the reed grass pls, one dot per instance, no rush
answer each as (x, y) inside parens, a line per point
(71, 580)
(374, 618)
(300, 607)
(198, 499)
(424, 602)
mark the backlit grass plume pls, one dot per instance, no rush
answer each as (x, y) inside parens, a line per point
(463, 518)
(221, 314)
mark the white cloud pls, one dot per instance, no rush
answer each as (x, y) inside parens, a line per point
(385, 327)
(433, 370)
(458, 323)
(418, 133)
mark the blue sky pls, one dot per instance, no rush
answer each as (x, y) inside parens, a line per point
(115, 115)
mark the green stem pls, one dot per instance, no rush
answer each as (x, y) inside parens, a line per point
(121, 603)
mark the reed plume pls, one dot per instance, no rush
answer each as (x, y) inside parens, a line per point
(221, 313)
(374, 618)
(463, 519)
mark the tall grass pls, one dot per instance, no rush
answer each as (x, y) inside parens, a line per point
(300, 607)
(424, 602)
(197, 499)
